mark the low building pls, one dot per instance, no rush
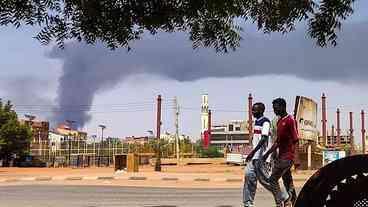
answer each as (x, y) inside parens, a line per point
(40, 137)
(233, 135)
(64, 129)
(40, 129)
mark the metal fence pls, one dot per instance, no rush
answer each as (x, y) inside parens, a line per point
(83, 154)
(76, 153)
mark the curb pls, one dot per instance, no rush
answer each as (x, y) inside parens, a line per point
(137, 178)
(106, 178)
(170, 179)
(201, 180)
(74, 178)
(10, 180)
(132, 178)
(43, 178)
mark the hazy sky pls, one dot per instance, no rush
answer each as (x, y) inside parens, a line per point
(119, 89)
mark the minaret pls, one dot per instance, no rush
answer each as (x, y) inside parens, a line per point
(204, 113)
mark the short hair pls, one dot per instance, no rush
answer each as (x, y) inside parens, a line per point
(260, 105)
(279, 101)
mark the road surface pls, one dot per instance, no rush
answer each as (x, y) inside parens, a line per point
(112, 196)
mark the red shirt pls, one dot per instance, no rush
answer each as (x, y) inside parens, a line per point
(287, 137)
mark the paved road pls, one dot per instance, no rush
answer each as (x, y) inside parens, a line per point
(106, 196)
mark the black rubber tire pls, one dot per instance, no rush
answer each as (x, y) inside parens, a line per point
(327, 189)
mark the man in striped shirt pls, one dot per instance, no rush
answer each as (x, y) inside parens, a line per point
(261, 142)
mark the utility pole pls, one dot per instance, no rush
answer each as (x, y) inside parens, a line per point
(338, 129)
(94, 149)
(209, 127)
(109, 152)
(39, 143)
(177, 128)
(363, 131)
(158, 134)
(69, 148)
(324, 120)
(333, 135)
(351, 135)
(250, 118)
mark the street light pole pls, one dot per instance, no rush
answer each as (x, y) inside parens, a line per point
(70, 148)
(109, 150)
(94, 149)
(70, 124)
(103, 127)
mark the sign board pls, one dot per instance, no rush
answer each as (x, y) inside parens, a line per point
(235, 158)
(306, 116)
(330, 156)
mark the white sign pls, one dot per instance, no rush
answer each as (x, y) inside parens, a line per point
(330, 156)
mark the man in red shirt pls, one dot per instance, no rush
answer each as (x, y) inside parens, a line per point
(286, 142)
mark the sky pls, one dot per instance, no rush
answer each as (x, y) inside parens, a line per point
(119, 89)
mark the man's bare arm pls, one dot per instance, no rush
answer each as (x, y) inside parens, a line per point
(271, 150)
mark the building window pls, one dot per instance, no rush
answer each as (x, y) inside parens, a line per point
(231, 127)
(237, 129)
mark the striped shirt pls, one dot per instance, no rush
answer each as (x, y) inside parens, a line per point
(261, 128)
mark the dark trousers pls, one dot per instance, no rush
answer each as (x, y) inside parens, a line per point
(256, 170)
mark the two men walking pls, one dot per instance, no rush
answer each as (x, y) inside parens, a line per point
(283, 148)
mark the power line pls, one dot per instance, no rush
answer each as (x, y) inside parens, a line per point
(87, 105)
(129, 104)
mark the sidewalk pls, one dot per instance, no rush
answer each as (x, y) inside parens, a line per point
(214, 175)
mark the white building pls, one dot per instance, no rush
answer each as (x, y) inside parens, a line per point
(234, 135)
(55, 140)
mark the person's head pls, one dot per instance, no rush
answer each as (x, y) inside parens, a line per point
(258, 110)
(279, 106)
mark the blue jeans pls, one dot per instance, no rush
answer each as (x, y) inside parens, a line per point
(250, 185)
(253, 172)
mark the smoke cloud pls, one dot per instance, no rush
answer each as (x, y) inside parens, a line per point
(88, 70)
(28, 95)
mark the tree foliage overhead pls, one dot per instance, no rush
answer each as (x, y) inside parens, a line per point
(210, 23)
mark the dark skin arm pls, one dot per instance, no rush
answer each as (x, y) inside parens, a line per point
(271, 150)
(259, 145)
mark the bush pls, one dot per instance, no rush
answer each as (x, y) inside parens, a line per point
(210, 152)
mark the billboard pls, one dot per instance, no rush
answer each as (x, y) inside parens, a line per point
(306, 116)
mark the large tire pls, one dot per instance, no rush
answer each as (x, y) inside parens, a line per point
(341, 183)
